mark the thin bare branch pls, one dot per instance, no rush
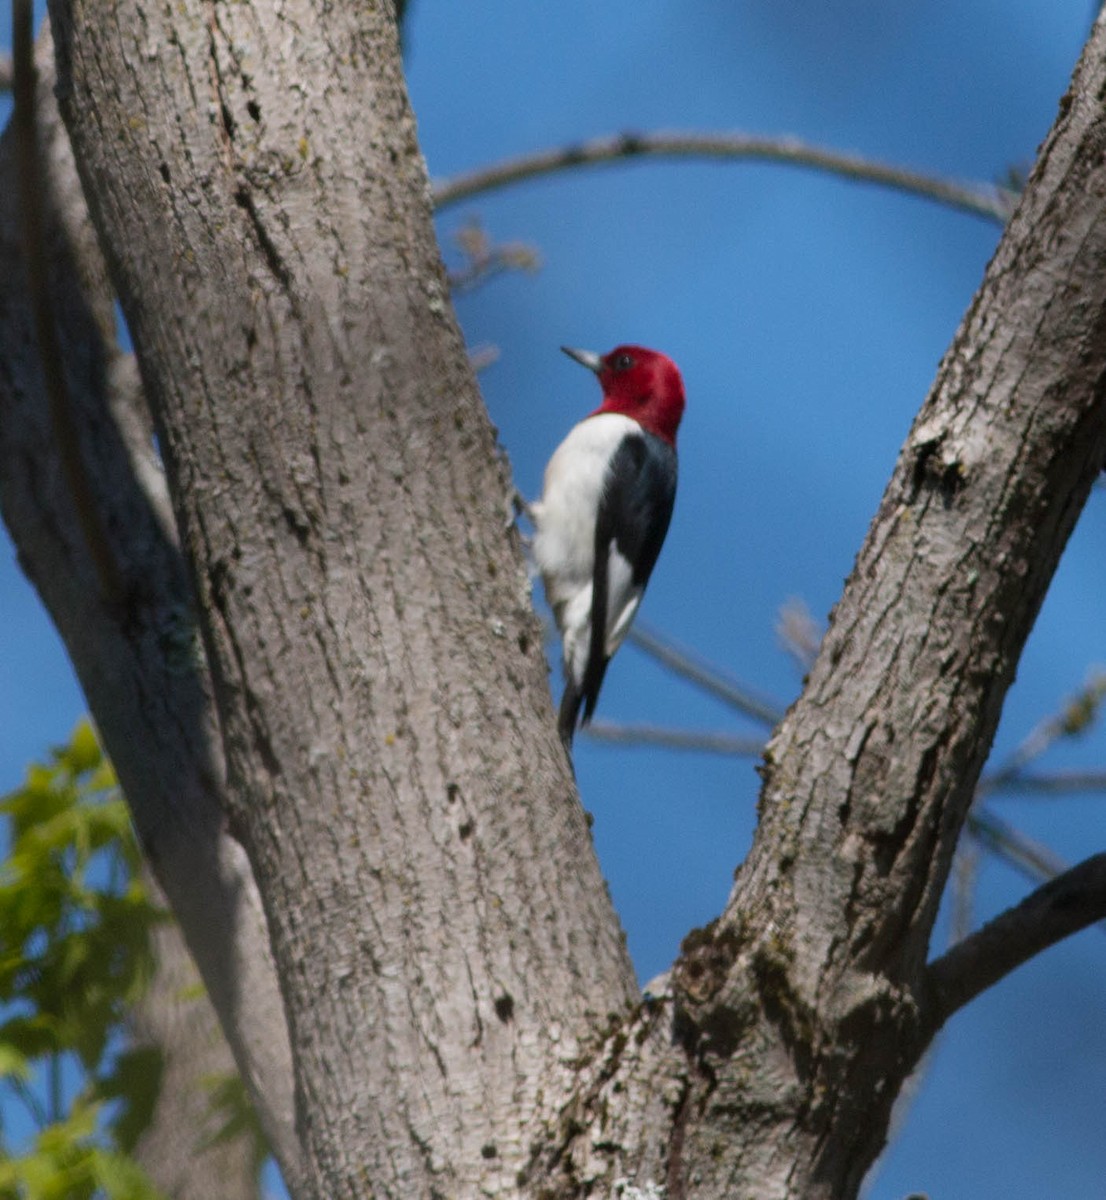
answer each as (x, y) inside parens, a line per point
(984, 200)
(965, 873)
(1031, 858)
(1059, 908)
(675, 739)
(485, 259)
(500, 261)
(798, 632)
(483, 356)
(1074, 718)
(1053, 784)
(690, 666)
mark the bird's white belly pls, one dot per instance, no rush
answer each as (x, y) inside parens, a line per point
(564, 539)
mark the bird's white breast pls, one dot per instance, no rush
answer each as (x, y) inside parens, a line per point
(564, 538)
(564, 517)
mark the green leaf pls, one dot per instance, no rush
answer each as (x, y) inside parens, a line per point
(83, 751)
(121, 1178)
(13, 1064)
(135, 1081)
(75, 954)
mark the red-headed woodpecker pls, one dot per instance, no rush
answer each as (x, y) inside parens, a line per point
(603, 514)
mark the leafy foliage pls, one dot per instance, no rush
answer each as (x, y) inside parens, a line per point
(75, 953)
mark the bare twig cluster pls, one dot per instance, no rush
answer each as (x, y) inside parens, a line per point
(484, 259)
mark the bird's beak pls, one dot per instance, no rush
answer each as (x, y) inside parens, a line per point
(586, 358)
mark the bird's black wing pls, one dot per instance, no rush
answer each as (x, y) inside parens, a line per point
(634, 512)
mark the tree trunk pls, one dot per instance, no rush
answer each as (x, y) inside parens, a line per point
(441, 929)
(462, 1014)
(86, 504)
(181, 1149)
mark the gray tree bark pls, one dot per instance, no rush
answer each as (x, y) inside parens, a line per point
(80, 488)
(461, 1013)
(181, 1149)
(377, 667)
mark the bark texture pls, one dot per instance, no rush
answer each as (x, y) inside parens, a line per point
(180, 1149)
(803, 1009)
(440, 925)
(462, 1014)
(133, 638)
(819, 960)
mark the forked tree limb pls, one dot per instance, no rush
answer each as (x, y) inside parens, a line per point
(462, 1007)
(869, 778)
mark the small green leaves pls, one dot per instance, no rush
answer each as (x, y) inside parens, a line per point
(75, 953)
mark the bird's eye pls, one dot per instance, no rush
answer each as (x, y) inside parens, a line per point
(623, 362)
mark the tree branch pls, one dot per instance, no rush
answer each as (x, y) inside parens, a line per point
(1035, 861)
(1051, 784)
(984, 200)
(703, 674)
(29, 176)
(871, 775)
(140, 665)
(675, 739)
(1059, 908)
(1074, 717)
(382, 692)
(180, 1149)
(6, 73)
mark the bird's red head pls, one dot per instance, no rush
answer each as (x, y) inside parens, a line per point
(640, 383)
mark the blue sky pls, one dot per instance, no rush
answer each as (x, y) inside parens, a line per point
(808, 315)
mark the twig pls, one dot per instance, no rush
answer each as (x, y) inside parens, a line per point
(1031, 859)
(483, 356)
(35, 1109)
(798, 632)
(1035, 861)
(676, 739)
(1059, 908)
(965, 872)
(498, 261)
(1073, 719)
(985, 200)
(688, 664)
(484, 259)
(1054, 783)
(31, 198)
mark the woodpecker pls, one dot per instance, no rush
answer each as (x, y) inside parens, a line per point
(604, 511)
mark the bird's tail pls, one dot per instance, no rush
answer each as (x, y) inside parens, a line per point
(580, 696)
(570, 712)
